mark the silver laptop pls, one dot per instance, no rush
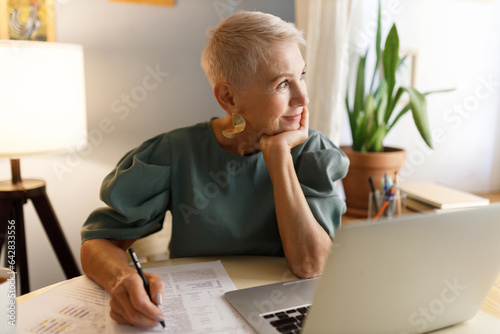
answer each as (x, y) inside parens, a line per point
(414, 274)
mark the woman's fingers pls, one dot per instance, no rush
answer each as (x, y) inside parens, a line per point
(118, 318)
(130, 304)
(155, 288)
(300, 136)
(289, 139)
(304, 121)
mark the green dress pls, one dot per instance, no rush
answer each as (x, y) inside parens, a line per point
(221, 203)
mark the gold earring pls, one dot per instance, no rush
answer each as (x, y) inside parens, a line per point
(239, 125)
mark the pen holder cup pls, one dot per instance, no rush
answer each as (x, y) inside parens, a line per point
(381, 206)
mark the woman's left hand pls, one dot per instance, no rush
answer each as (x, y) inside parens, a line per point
(296, 223)
(288, 139)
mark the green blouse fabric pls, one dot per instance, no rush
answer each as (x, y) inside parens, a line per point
(221, 203)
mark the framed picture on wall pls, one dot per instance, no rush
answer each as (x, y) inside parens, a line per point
(406, 73)
(32, 20)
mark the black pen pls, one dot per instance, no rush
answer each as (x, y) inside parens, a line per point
(137, 265)
(374, 195)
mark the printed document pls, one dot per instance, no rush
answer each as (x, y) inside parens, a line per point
(193, 302)
(75, 306)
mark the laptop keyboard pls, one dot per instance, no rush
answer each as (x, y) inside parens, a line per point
(287, 321)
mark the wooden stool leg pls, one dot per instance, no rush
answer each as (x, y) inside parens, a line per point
(5, 217)
(55, 234)
(20, 249)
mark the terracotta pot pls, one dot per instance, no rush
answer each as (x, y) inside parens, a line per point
(364, 165)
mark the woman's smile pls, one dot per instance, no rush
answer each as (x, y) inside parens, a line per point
(294, 118)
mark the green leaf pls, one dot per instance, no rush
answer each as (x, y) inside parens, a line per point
(382, 105)
(418, 106)
(439, 91)
(369, 105)
(359, 94)
(401, 113)
(378, 43)
(394, 102)
(402, 60)
(375, 142)
(352, 121)
(372, 117)
(349, 112)
(356, 140)
(391, 60)
(367, 118)
(360, 86)
(380, 91)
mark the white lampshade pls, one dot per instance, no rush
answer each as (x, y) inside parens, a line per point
(42, 98)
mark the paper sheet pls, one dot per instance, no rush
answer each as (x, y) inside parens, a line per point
(193, 302)
(75, 306)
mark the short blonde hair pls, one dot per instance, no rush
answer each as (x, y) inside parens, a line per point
(237, 45)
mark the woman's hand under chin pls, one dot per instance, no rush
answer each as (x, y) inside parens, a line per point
(288, 139)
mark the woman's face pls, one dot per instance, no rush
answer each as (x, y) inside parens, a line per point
(273, 102)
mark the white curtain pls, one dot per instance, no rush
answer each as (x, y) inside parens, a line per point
(325, 24)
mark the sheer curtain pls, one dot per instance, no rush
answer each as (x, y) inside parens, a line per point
(325, 24)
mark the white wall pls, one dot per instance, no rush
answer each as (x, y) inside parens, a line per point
(458, 45)
(121, 41)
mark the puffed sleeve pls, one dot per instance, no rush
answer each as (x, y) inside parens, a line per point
(319, 164)
(137, 193)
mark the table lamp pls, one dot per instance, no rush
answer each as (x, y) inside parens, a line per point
(42, 111)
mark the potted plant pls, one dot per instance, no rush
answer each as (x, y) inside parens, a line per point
(373, 112)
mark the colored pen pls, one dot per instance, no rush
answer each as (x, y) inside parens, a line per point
(137, 265)
(384, 206)
(385, 184)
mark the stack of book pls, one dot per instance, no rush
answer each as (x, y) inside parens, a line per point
(435, 197)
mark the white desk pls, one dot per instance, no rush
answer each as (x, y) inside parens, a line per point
(253, 271)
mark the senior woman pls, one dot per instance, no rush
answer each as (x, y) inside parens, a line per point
(255, 182)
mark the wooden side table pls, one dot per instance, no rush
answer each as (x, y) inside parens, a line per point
(13, 195)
